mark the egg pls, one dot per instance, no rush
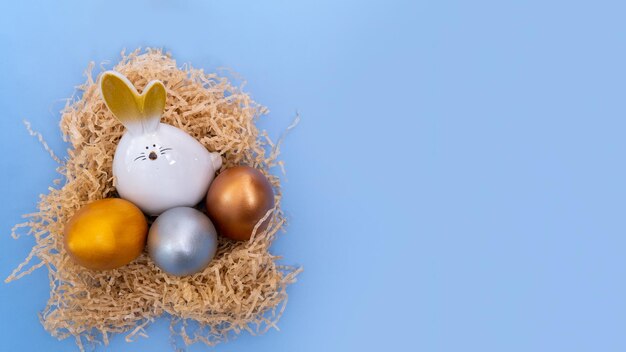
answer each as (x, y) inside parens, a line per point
(182, 241)
(106, 234)
(238, 198)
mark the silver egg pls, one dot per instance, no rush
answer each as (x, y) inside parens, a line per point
(182, 241)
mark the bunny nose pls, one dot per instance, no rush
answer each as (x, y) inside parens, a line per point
(152, 156)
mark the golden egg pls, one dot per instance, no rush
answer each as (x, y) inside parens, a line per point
(106, 234)
(238, 198)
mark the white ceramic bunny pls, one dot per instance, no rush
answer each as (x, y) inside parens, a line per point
(156, 166)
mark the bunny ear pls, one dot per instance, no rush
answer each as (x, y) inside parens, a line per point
(121, 97)
(139, 113)
(153, 104)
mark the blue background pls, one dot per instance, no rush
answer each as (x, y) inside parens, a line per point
(456, 182)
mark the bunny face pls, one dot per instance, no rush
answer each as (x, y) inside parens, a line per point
(156, 166)
(151, 152)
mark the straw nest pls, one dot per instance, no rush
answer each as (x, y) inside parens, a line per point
(243, 288)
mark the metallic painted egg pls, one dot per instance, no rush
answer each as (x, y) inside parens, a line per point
(106, 234)
(182, 241)
(238, 198)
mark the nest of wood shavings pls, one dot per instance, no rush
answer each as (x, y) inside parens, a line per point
(242, 289)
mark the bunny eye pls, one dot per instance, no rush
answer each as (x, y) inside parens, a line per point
(146, 147)
(154, 145)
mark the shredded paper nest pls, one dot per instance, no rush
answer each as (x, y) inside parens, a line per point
(242, 289)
